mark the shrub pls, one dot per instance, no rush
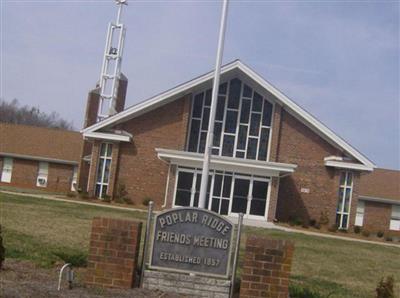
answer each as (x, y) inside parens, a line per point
(385, 288)
(297, 291)
(295, 221)
(84, 195)
(71, 194)
(305, 225)
(333, 228)
(313, 222)
(121, 195)
(2, 250)
(323, 218)
(389, 238)
(317, 226)
(357, 229)
(380, 234)
(146, 201)
(106, 198)
(343, 231)
(76, 259)
(365, 233)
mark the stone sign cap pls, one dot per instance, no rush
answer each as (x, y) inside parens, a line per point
(192, 240)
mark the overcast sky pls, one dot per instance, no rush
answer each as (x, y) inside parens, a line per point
(337, 59)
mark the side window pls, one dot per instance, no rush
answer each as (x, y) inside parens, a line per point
(6, 172)
(43, 173)
(395, 218)
(360, 213)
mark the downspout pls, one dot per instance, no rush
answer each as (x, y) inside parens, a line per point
(166, 188)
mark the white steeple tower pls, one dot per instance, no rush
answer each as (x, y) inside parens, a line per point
(111, 68)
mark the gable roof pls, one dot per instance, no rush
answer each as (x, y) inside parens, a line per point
(40, 143)
(235, 66)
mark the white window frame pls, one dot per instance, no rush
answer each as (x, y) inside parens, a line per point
(212, 173)
(346, 187)
(43, 174)
(359, 221)
(6, 174)
(74, 179)
(238, 124)
(395, 218)
(101, 183)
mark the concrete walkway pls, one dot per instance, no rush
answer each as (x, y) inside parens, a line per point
(268, 225)
(247, 222)
(57, 198)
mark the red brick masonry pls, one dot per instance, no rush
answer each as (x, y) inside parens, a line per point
(266, 268)
(113, 253)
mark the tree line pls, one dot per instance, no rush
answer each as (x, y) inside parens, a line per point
(15, 113)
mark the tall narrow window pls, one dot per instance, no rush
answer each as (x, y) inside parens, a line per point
(7, 170)
(242, 123)
(344, 200)
(395, 218)
(103, 170)
(43, 173)
(360, 213)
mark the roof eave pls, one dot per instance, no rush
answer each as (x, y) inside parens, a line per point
(191, 159)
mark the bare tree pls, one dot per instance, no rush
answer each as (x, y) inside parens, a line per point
(13, 112)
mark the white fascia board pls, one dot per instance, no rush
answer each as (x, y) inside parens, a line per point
(191, 159)
(158, 99)
(107, 136)
(379, 200)
(287, 103)
(39, 158)
(348, 165)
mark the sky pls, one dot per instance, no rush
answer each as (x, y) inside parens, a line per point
(337, 59)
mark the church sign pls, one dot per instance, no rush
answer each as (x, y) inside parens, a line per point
(192, 240)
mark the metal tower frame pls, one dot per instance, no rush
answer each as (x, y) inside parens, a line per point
(111, 68)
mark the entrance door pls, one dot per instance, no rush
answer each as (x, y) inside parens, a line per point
(249, 197)
(258, 200)
(240, 195)
(221, 193)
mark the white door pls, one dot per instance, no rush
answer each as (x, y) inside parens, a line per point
(7, 170)
(250, 197)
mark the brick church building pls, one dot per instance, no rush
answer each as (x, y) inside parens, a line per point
(271, 158)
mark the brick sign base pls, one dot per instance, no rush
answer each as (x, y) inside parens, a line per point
(266, 268)
(113, 253)
(186, 285)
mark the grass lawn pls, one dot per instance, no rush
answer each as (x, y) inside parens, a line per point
(38, 230)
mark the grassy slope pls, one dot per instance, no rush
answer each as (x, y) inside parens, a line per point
(37, 229)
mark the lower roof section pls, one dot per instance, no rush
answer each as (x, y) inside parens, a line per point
(39, 158)
(223, 163)
(379, 200)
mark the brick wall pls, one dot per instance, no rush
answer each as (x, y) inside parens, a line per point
(273, 199)
(143, 174)
(266, 267)
(91, 184)
(113, 253)
(299, 145)
(377, 216)
(24, 175)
